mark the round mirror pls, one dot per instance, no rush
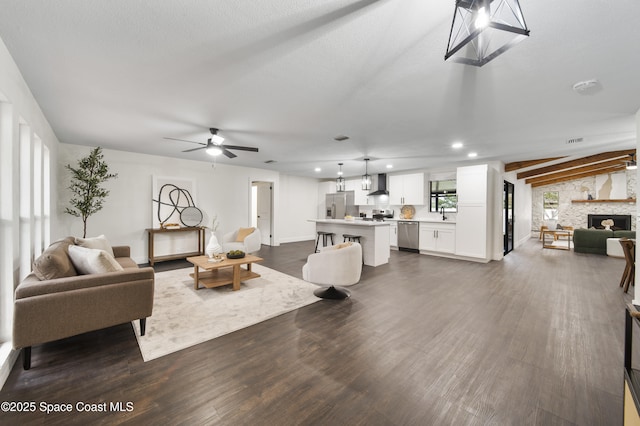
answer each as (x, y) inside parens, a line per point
(191, 216)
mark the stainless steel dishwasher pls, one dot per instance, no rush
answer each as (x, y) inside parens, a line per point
(408, 234)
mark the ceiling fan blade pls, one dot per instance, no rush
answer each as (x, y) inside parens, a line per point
(194, 149)
(241, 148)
(183, 140)
(229, 154)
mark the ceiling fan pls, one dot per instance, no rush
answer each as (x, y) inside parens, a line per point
(214, 146)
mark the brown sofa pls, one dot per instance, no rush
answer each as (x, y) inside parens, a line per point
(54, 301)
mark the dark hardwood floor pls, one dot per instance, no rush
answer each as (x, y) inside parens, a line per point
(535, 339)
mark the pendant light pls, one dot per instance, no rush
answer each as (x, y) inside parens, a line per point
(483, 29)
(366, 177)
(340, 180)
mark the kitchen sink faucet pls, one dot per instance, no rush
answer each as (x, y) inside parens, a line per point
(442, 211)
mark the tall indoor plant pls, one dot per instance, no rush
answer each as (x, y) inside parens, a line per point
(86, 185)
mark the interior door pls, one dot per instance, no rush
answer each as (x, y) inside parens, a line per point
(507, 227)
(263, 210)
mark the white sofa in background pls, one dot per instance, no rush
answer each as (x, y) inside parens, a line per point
(337, 265)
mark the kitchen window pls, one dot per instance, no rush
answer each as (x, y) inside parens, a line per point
(443, 195)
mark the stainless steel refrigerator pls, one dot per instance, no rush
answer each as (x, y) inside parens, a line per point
(340, 204)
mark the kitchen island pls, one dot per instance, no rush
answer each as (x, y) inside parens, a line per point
(374, 236)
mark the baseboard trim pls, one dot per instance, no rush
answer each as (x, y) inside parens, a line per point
(8, 357)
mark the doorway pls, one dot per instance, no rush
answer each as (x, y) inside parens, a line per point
(262, 210)
(507, 226)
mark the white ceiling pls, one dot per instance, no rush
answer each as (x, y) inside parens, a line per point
(287, 76)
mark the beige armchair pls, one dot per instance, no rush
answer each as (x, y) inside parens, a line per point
(333, 266)
(249, 240)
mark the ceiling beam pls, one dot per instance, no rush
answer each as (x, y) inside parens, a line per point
(621, 167)
(509, 167)
(574, 171)
(576, 163)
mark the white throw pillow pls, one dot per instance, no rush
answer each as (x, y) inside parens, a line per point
(92, 261)
(100, 242)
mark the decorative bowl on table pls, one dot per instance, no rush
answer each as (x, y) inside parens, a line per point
(235, 254)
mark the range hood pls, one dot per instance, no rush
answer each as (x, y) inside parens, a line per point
(379, 184)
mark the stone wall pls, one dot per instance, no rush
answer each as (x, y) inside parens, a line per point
(575, 214)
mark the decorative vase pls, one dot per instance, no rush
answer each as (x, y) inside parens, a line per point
(213, 247)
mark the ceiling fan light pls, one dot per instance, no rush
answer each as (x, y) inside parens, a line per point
(217, 139)
(212, 149)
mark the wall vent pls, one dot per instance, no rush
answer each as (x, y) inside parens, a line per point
(574, 140)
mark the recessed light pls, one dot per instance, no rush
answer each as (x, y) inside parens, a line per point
(318, 169)
(457, 145)
(472, 154)
(389, 166)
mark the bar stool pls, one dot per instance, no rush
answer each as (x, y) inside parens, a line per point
(349, 237)
(325, 238)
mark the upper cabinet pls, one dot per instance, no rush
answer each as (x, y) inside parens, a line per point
(472, 184)
(361, 197)
(406, 189)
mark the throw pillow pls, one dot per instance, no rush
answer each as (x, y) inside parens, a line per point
(54, 262)
(100, 242)
(343, 245)
(242, 234)
(93, 261)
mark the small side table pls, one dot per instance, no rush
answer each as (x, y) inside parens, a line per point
(551, 236)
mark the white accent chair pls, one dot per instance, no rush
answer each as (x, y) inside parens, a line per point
(333, 266)
(251, 243)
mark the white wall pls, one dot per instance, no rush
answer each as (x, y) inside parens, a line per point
(222, 190)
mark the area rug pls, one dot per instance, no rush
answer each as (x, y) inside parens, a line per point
(183, 317)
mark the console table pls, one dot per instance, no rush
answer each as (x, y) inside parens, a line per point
(154, 231)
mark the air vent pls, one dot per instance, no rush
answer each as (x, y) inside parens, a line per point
(341, 138)
(270, 162)
(574, 140)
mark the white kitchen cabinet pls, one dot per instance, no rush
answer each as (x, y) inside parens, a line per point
(472, 219)
(393, 234)
(406, 189)
(438, 237)
(361, 197)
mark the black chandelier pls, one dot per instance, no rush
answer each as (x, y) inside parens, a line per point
(483, 29)
(340, 184)
(366, 177)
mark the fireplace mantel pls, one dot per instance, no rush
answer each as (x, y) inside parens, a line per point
(625, 200)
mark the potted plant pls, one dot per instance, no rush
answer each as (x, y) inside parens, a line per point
(86, 185)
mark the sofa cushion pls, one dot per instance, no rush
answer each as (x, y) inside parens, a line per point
(54, 262)
(242, 234)
(92, 261)
(100, 242)
(624, 234)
